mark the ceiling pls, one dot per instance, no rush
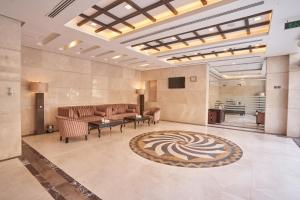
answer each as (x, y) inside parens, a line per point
(232, 36)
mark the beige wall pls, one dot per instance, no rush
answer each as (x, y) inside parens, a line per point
(214, 93)
(10, 115)
(277, 99)
(293, 122)
(182, 105)
(72, 81)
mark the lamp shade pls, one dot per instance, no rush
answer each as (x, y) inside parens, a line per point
(140, 91)
(38, 87)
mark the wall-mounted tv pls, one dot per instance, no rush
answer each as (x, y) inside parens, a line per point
(176, 82)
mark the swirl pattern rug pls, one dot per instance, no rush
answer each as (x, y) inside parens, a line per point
(186, 149)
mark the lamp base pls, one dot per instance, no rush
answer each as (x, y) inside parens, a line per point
(39, 113)
(142, 103)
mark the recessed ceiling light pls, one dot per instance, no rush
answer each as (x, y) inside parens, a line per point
(256, 19)
(72, 44)
(78, 52)
(61, 49)
(93, 24)
(211, 29)
(225, 49)
(93, 56)
(116, 57)
(173, 38)
(144, 65)
(233, 63)
(39, 43)
(128, 7)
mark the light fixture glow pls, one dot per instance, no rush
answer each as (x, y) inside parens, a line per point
(116, 57)
(144, 65)
(256, 19)
(61, 49)
(211, 29)
(128, 7)
(73, 44)
(93, 24)
(173, 38)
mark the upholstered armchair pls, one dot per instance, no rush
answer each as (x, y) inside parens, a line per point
(69, 127)
(153, 113)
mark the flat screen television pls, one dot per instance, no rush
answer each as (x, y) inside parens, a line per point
(176, 82)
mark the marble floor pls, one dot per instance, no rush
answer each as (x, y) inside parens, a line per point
(268, 169)
(16, 182)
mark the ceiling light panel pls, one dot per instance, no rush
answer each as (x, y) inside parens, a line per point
(119, 17)
(49, 38)
(89, 49)
(230, 30)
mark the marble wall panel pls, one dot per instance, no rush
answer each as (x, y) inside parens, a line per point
(277, 98)
(181, 105)
(10, 109)
(293, 125)
(72, 81)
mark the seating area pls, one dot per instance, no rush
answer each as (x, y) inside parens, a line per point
(149, 99)
(74, 121)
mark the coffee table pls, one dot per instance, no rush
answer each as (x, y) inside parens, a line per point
(137, 119)
(99, 125)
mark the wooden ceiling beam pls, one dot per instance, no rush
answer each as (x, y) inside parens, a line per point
(204, 2)
(180, 40)
(215, 52)
(134, 14)
(212, 34)
(247, 25)
(96, 14)
(170, 7)
(100, 23)
(197, 35)
(141, 10)
(160, 42)
(221, 32)
(224, 23)
(112, 16)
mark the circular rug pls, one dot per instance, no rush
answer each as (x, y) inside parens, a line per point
(186, 149)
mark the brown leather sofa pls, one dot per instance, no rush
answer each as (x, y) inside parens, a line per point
(98, 112)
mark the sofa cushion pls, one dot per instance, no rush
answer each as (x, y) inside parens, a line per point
(91, 118)
(99, 113)
(130, 110)
(85, 111)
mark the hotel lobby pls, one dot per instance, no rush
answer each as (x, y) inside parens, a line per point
(150, 99)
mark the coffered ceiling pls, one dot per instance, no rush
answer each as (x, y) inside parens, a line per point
(151, 34)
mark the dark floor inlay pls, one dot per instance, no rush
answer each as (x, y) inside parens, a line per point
(186, 149)
(297, 141)
(59, 184)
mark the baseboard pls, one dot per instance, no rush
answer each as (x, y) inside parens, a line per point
(6, 159)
